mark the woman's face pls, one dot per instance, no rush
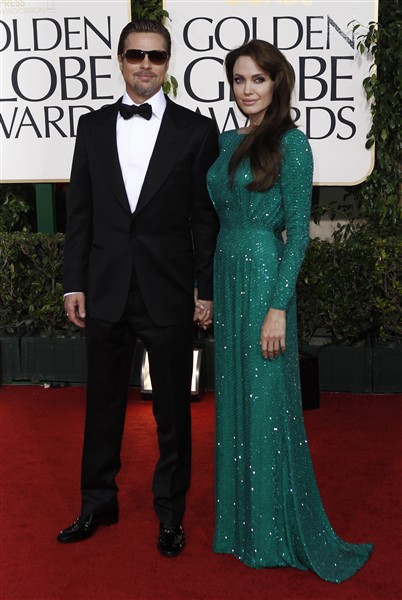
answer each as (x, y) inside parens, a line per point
(253, 88)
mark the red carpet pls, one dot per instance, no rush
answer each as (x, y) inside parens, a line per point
(355, 442)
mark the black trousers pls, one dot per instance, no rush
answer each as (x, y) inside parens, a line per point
(110, 349)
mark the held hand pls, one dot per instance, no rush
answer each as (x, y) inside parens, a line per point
(203, 311)
(273, 334)
(74, 305)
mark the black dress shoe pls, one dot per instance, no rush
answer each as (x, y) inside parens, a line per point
(171, 539)
(84, 526)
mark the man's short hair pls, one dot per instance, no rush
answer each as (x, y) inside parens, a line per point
(144, 26)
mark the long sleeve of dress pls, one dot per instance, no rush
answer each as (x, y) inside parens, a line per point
(296, 186)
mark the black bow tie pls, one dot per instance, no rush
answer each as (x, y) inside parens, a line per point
(127, 111)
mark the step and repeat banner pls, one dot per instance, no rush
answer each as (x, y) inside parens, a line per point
(329, 103)
(58, 60)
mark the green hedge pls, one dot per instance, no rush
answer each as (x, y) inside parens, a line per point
(31, 284)
(350, 289)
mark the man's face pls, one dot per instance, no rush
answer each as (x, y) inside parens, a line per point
(143, 79)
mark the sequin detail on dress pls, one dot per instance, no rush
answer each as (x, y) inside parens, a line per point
(268, 508)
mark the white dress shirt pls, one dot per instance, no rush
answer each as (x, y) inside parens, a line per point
(136, 139)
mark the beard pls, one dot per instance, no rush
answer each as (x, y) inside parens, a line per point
(146, 90)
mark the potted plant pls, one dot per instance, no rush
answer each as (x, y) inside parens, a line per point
(349, 311)
(334, 305)
(37, 343)
(52, 349)
(14, 210)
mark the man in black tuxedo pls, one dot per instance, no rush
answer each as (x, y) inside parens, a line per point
(141, 230)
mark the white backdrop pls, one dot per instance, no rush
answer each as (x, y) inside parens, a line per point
(329, 99)
(58, 60)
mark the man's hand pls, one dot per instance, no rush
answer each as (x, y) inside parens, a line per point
(203, 311)
(74, 305)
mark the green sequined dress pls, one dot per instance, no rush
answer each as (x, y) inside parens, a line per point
(268, 508)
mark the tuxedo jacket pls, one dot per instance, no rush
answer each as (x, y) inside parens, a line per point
(170, 238)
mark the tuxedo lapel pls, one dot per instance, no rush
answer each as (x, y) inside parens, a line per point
(171, 137)
(106, 147)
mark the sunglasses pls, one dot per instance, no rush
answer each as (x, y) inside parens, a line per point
(134, 56)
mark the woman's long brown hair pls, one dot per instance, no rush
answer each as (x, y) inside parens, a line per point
(262, 145)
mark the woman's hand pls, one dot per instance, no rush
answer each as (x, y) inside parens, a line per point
(203, 311)
(273, 334)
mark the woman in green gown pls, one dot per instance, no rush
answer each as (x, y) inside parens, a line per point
(268, 508)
